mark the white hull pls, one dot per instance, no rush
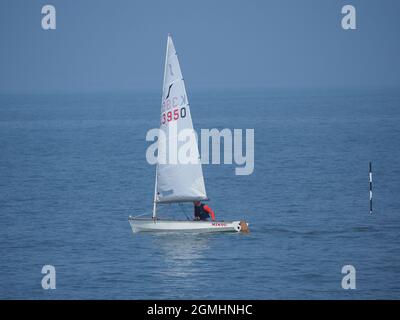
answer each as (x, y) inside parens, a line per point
(142, 224)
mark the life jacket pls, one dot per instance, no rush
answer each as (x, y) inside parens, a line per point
(200, 212)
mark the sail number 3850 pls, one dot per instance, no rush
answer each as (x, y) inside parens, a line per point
(173, 115)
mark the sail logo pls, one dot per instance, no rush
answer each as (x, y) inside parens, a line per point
(171, 110)
(172, 146)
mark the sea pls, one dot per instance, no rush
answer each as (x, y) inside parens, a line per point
(73, 168)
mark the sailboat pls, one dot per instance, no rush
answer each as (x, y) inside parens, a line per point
(178, 182)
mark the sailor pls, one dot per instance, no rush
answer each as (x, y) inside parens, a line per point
(202, 211)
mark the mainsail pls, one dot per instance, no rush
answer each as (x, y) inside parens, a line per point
(176, 181)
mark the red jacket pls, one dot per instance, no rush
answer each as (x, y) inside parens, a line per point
(209, 211)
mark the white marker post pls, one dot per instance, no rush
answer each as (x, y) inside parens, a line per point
(370, 187)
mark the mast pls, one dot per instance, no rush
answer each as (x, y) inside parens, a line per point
(155, 184)
(155, 195)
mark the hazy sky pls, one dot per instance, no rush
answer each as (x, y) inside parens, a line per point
(119, 45)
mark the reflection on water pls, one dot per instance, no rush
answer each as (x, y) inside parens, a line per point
(181, 252)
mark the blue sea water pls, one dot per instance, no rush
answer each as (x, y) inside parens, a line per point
(73, 168)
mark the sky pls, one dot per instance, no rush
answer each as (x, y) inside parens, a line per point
(119, 45)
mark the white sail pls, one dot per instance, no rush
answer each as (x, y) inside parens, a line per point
(177, 181)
